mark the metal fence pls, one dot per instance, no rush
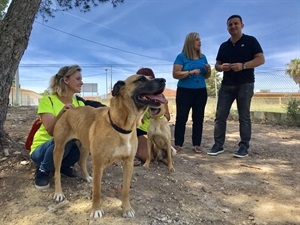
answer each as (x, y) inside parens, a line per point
(273, 90)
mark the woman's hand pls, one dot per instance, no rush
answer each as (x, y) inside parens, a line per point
(195, 71)
(65, 108)
(68, 106)
(49, 120)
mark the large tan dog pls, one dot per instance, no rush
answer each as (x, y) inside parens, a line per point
(109, 134)
(159, 138)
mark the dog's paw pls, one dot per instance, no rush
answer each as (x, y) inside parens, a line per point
(97, 214)
(146, 165)
(59, 197)
(171, 169)
(129, 213)
(88, 179)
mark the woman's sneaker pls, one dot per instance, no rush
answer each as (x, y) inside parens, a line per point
(67, 171)
(42, 180)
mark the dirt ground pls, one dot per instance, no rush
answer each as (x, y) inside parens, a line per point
(260, 189)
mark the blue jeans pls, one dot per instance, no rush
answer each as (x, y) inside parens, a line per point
(43, 155)
(186, 99)
(227, 94)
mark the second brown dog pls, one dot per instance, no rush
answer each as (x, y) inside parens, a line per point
(159, 139)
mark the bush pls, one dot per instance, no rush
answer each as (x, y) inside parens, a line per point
(293, 112)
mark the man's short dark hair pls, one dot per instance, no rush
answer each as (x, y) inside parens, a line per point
(235, 16)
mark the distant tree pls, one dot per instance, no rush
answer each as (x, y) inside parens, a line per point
(15, 30)
(3, 6)
(213, 82)
(46, 92)
(293, 70)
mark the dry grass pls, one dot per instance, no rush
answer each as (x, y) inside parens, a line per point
(258, 104)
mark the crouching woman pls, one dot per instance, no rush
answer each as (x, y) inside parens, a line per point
(63, 86)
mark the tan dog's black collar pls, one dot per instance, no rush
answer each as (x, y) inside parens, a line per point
(119, 129)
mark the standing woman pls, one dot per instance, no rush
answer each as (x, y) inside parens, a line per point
(63, 86)
(191, 69)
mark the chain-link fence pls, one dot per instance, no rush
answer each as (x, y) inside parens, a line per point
(273, 91)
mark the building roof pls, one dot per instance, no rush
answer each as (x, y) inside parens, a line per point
(169, 92)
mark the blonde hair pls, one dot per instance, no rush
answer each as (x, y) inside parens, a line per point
(189, 45)
(57, 84)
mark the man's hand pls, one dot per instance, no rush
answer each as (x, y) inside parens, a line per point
(226, 66)
(236, 66)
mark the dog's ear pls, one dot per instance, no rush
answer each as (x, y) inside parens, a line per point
(117, 87)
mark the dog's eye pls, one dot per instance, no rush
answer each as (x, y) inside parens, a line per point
(141, 79)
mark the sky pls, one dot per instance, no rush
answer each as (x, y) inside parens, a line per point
(111, 44)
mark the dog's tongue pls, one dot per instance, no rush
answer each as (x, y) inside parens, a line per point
(160, 98)
(154, 111)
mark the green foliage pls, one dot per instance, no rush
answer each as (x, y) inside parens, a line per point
(212, 82)
(46, 92)
(49, 7)
(293, 70)
(3, 6)
(293, 112)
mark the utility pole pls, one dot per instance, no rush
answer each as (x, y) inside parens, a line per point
(216, 85)
(111, 87)
(17, 88)
(106, 83)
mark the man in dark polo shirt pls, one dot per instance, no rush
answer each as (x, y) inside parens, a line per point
(237, 58)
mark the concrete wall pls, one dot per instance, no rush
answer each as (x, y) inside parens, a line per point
(268, 116)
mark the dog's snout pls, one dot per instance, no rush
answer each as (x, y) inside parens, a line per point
(161, 80)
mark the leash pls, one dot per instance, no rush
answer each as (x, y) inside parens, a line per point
(119, 129)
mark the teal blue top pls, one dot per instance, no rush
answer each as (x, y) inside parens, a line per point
(192, 81)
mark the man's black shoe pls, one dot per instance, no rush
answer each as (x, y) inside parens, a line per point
(215, 150)
(241, 153)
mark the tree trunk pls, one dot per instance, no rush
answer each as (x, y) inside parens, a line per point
(15, 30)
